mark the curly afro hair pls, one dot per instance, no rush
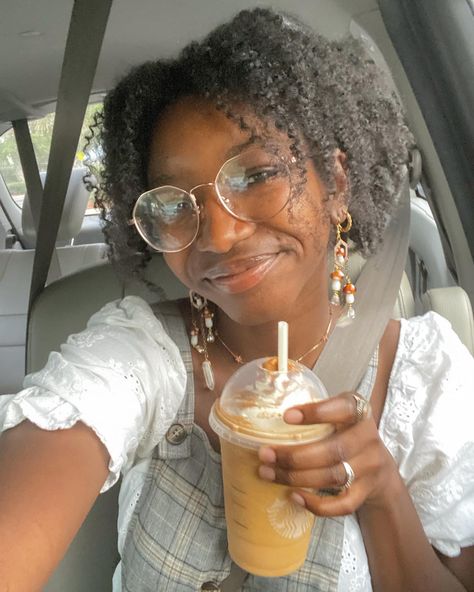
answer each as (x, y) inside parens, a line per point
(323, 94)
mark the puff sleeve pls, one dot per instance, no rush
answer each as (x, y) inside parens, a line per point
(122, 376)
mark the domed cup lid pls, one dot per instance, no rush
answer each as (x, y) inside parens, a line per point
(250, 410)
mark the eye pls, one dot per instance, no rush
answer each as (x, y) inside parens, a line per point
(183, 206)
(261, 174)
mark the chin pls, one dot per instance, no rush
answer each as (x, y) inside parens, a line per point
(254, 310)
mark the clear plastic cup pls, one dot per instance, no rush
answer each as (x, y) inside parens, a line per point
(268, 534)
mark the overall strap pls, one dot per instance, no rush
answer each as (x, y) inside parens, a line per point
(177, 444)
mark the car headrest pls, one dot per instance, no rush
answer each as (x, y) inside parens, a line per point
(75, 205)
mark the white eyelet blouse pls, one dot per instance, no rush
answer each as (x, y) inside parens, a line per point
(124, 377)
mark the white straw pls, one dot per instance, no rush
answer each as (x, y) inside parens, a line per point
(282, 346)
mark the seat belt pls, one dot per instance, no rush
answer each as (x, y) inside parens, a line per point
(347, 353)
(85, 36)
(377, 289)
(29, 165)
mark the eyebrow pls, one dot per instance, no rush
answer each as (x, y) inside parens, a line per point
(239, 147)
(164, 179)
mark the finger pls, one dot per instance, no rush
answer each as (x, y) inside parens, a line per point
(341, 409)
(326, 452)
(347, 502)
(365, 466)
(325, 478)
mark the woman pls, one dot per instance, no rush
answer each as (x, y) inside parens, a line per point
(249, 151)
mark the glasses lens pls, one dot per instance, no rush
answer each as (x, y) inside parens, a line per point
(254, 185)
(166, 218)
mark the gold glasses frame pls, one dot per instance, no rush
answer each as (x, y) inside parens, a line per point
(221, 199)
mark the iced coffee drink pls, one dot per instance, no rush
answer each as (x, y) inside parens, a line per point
(268, 534)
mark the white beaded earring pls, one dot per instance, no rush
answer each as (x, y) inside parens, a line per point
(202, 328)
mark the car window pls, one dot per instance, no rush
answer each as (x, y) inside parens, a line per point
(41, 132)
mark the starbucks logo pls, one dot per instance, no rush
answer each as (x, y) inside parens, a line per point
(289, 520)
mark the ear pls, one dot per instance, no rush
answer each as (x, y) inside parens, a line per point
(337, 205)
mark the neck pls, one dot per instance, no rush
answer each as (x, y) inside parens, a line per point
(308, 323)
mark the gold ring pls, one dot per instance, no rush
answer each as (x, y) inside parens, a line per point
(350, 475)
(363, 408)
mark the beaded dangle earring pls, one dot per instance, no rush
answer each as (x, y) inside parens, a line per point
(201, 333)
(349, 296)
(349, 289)
(209, 324)
(338, 275)
(341, 256)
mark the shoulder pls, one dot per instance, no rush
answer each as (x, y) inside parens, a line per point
(130, 311)
(123, 343)
(432, 372)
(127, 323)
(432, 336)
(431, 364)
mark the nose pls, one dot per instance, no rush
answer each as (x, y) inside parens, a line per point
(219, 231)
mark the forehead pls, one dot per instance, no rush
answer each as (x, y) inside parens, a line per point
(193, 134)
(188, 123)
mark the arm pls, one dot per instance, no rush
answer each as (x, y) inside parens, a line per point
(385, 531)
(434, 364)
(123, 376)
(400, 556)
(48, 483)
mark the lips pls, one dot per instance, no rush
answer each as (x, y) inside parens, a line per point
(241, 275)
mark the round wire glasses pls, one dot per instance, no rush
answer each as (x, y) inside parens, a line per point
(253, 186)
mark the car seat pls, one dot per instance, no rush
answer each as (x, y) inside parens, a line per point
(16, 266)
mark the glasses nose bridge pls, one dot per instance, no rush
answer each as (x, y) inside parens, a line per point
(217, 197)
(201, 185)
(218, 227)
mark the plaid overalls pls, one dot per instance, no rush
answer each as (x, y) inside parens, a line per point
(176, 539)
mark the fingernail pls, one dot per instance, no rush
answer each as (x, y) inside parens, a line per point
(267, 455)
(298, 499)
(293, 416)
(266, 473)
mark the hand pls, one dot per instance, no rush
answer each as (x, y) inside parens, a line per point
(319, 465)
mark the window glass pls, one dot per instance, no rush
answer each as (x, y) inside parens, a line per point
(41, 132)
(10, 167)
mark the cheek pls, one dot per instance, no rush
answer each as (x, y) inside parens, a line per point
(311, 219)
(177, 263)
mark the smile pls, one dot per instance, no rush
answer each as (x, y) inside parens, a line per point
(244, 275)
